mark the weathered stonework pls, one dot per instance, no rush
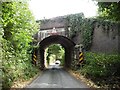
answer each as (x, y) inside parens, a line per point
(105, 40)
(105, 37)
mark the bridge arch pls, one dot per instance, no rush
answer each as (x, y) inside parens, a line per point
(57, 39)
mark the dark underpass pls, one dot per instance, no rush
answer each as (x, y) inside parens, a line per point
(57, 39)
(57, 77)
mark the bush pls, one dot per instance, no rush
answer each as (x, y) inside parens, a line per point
(18, 26)
(101, 65)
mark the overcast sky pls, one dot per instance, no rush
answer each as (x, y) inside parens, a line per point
(52, 8)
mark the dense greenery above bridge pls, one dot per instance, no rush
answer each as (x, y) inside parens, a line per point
(109, 10)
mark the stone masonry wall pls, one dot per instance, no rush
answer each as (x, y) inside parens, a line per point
(105, 39)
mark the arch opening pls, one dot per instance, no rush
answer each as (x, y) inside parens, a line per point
(66, 43)
(54, 56)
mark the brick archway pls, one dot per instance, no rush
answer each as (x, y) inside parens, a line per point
(57, 39)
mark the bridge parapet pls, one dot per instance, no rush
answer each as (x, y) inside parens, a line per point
(46, 33)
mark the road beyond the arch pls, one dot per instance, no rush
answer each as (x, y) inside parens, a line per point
(56, 78)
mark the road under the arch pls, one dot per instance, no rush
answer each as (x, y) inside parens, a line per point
(56, 78)
(57, 39)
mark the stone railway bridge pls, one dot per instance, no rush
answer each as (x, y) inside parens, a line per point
(53, 31)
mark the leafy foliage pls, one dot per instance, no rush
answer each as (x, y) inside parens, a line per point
(54, 49)
(109, 10)
(18, 28)
(102, 68)
(79, 25)
(57, 50)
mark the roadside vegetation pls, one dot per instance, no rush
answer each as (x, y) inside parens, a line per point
(17, 25)
(102, 69)
(16, 30)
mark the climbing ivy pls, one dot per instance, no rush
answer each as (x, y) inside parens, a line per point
(79, 25)
(87, 33)
(74, 22)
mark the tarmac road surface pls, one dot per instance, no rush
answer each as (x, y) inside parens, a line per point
(56, 78)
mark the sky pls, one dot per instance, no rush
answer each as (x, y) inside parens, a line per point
(51, 8)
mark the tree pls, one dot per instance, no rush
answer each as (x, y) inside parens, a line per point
(56, 50)
(109, 10)
(18, 23)
(18, 26)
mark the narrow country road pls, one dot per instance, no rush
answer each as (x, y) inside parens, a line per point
(56, 78)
